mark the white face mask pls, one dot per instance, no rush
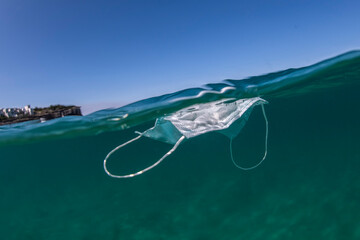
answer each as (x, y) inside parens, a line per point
(226, 116)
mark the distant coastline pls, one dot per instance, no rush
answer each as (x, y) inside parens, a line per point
(17, 115)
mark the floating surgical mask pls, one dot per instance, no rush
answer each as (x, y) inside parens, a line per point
(227, 116)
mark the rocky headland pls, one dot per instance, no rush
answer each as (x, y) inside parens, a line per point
(42, 114)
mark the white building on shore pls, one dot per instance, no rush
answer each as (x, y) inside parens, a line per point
(16, 112)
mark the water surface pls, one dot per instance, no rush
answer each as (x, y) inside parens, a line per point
(52, 184)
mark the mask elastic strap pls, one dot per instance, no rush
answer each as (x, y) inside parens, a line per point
(266, 143)
(144, 170)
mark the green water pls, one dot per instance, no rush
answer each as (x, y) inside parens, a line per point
(53, 186)
(308, 187)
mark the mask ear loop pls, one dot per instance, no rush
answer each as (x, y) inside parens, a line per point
(144, 170)
(266, 143)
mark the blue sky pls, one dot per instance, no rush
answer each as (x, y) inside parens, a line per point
(108, 53)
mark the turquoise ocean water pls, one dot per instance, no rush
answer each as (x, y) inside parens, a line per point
(53, 186)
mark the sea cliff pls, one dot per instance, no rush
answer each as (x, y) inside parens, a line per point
(43, 114)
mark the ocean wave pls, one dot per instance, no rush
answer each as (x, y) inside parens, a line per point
(333, 72)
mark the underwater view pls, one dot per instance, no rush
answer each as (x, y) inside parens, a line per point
(53, 184)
